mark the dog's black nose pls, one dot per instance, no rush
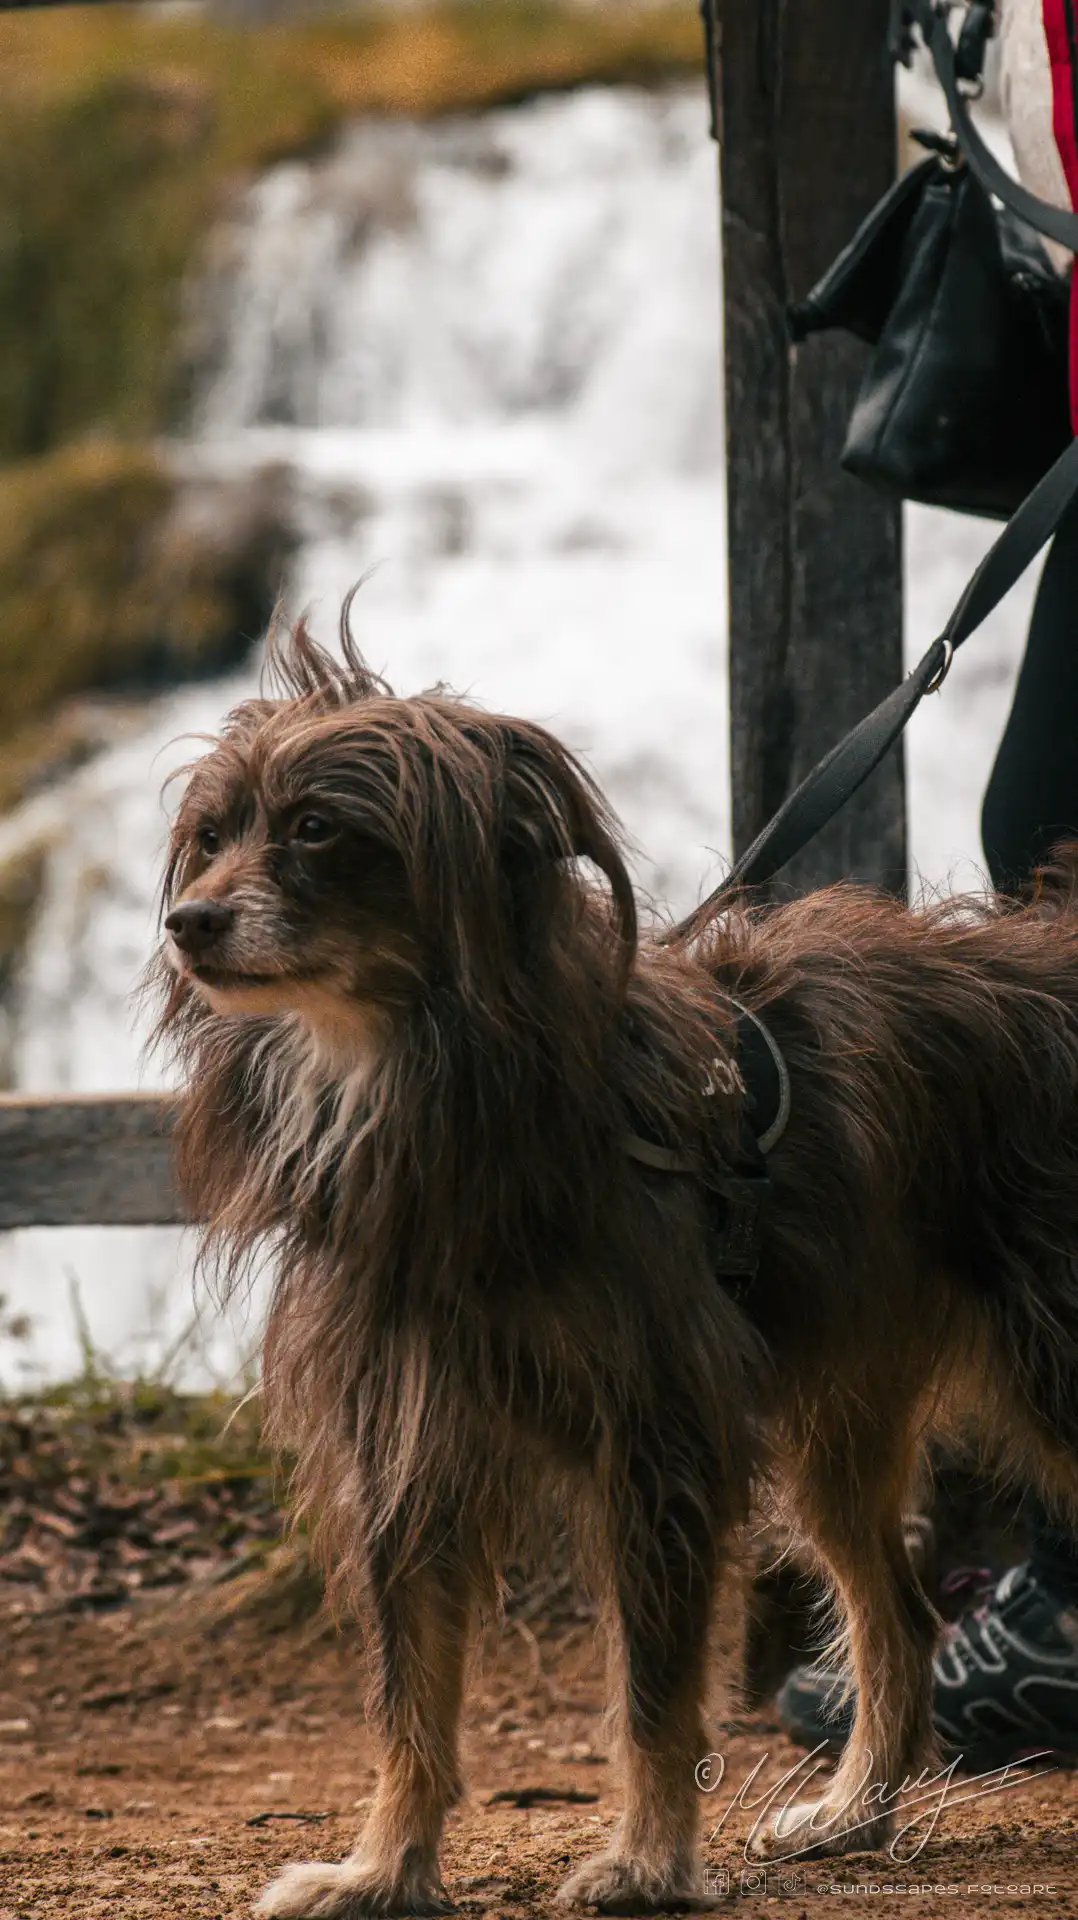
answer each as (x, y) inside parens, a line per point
(198, 923)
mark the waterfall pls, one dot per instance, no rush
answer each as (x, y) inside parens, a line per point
(486, 351)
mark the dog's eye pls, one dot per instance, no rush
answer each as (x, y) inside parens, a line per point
(208, 841)
(312, 829)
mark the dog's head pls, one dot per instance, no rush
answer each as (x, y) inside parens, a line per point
(340, 850)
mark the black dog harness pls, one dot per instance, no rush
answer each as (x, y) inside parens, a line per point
(760, 1079)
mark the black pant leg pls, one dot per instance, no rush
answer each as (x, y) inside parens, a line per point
(1031, 802)
(1032, 796)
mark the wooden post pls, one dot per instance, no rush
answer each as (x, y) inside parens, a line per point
(807, 136)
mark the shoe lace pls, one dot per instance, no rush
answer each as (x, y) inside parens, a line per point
(968, 1583)
(972, 1630)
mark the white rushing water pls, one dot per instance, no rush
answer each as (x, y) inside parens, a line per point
(488, 352)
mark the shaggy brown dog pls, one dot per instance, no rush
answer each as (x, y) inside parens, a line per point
(415, 1032)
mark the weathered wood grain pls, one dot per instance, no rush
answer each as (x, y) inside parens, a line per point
(99, 1160)
(16, 6)
(807, 138)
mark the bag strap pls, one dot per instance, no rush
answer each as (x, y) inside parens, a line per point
(1057, 223)
(839, 774)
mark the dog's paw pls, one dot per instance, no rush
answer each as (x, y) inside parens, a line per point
(618, 1883)
(318, 1891)
(817, 1827)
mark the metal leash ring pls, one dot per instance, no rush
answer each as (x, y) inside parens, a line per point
(939, 677)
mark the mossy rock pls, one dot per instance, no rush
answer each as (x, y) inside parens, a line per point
(104, 199)
(21, 877)
(43, 751)
(112, 577)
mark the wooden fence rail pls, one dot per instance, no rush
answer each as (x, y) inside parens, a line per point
(92, 1160)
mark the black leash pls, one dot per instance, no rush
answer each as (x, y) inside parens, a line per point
(838, 775)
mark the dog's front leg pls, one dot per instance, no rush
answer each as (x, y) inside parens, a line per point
(420, 1629)
(666, 1547)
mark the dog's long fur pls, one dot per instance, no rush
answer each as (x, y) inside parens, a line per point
(411, 1062)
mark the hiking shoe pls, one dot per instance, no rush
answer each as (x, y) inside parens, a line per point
(1005, 1682)
(816, 1709)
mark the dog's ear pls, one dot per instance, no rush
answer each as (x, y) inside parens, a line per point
(555, 812)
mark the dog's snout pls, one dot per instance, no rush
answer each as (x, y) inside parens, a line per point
(196, 924)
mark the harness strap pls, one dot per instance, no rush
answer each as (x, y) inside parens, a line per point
(765, 1073)
(662, 1159)
(758, 1074)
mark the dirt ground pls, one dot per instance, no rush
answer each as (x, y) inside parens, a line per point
(171, 1773)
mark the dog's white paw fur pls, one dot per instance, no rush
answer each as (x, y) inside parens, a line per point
(319, 1891)
(820, 1827)
(619, 1883)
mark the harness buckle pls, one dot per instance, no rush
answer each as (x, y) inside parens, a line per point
(738, 1209)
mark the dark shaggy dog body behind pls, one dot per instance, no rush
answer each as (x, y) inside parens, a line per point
(415, 1034)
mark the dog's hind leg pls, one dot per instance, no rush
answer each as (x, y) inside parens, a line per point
(420, 1629)
(665, 1538)
(848, 1487)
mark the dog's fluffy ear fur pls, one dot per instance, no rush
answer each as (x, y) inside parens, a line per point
(553, 813)
(494, 817)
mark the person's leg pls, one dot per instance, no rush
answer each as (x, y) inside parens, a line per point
(1053, 1555)
(1031, 800)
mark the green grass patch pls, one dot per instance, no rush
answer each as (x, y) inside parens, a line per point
(112, 1490)
(141, 1433)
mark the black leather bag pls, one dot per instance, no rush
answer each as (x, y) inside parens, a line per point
(965, 400)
